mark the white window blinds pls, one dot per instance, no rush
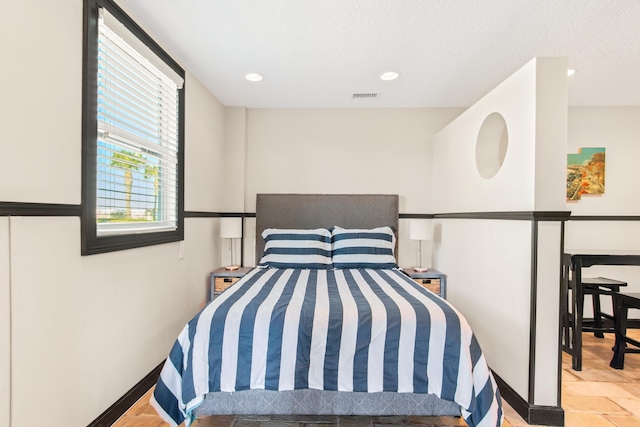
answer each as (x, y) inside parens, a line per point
(137, 141)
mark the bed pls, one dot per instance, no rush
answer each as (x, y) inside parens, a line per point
(327, 324)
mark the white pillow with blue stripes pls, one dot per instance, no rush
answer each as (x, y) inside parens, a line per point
(364, 248)
(291, 248)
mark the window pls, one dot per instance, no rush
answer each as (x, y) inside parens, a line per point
(133, 136)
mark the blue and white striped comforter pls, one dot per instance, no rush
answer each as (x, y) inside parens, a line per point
(347, 330)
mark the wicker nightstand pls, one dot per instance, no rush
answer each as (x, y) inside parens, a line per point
(431, 279)
(222, 278)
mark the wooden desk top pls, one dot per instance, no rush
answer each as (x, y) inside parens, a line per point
(590, 252)
(589, 257)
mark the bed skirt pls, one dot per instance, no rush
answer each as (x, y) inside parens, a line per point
(318, 402)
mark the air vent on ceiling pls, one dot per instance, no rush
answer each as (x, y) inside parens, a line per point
(365, 95)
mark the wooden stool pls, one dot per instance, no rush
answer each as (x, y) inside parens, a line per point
(602, 322)
(623, 302)
(597, 286)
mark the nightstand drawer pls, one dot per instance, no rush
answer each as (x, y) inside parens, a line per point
(222, 283)
(431, 279)
(221, 279)
(432, 284)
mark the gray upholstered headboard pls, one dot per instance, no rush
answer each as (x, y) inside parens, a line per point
(305, 211)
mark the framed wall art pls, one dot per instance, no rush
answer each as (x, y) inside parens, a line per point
(585, 172)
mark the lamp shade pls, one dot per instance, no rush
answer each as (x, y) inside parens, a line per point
(230, 228)
(420, 229)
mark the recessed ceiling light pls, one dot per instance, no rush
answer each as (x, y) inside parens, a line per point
(571, 72)
(389, 75)
(253, 77)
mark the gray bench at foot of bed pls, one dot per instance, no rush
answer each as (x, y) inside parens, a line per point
(316, 402)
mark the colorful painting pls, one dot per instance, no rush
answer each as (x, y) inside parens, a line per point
(585, 172)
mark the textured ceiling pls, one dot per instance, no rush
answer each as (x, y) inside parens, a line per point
(449, 53)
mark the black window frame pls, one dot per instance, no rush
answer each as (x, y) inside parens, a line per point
(91, 243)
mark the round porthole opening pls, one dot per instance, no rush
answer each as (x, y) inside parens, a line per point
(491, 146)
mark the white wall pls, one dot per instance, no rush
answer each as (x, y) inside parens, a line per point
(234, 159)
(205, 150)
(489, 262)
(550, 134)
(488, 266)
(41, 110)
(5, 324)
(533, 146)
(618, 130)
(373, 151)
(343, 151)
(547, 313)
(85, 329)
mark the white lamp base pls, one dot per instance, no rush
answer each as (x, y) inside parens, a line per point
(420, 269)
(232, 267)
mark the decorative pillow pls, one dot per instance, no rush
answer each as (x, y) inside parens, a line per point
(358, 248)
(287, 248)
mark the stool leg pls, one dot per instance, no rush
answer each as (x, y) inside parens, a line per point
(577, 297)
(564, 295)
(567, 324)
(620, 314)
(597, 314)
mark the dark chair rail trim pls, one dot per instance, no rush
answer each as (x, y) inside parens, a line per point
(515, 215)
(38, 209)
(56, 209)
(200, 214)
(410, 215)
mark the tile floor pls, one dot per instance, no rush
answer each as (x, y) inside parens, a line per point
(597, 396)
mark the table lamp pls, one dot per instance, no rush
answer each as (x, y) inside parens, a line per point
(231, 228)
(419, 229)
